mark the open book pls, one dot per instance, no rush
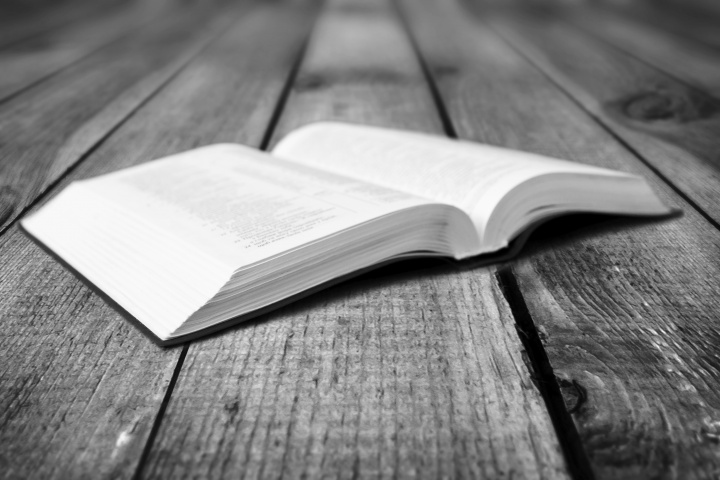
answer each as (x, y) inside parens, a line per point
(190, 242)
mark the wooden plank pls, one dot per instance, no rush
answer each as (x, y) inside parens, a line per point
(399, 373)
(699, 7)
(678, 18)
(47, 129)
(683, 59)
(373, 72)
(625, 308)
(670, 124)
(26, 63)
(22, 20)
(81, 385)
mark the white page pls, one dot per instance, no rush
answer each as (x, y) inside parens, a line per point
(155, 276)
(470, 176)
(164, 237)
(243, 205)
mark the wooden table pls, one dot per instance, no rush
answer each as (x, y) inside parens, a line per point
(596, 353)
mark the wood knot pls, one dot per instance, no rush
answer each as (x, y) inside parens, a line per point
(653, 106)
(8, 202)
(574, 395)
(232, 409)
(309, 81)
(360, 76)
(678, 106)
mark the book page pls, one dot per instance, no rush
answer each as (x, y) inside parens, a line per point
(244, 205)
(164, 238)
(470, 176)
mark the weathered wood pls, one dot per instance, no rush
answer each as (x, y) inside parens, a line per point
(685, 60)
(414, 374)
(626, 309)
(698, 7)
(45, 130)
(28, 62)
(361, 70)
(671, 125)
(406, 374)
(81, 386)
(677, 18)
(22, 20)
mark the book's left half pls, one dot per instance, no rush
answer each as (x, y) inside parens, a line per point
(225, 230)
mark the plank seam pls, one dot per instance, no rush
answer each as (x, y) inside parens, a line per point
(681, 32)
(602, 124)
(272, 124)
(577, 460)
(289, 82)
(447, 124)
(70, 169)
(161, 412)
(707, 48)
(82, 17)
(573, 24)
(89, 53)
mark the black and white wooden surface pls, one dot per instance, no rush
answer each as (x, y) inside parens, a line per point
(596, 353)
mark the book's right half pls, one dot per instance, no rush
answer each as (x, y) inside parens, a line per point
(503, 191)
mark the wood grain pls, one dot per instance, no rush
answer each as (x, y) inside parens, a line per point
(81, 385)
(396, 374)
(49, 128)
(692, 63)
(625, 308)
(670, 124)
(678, 17)
(412, 374)
(28, 62)
(22, 20)
(361, 70)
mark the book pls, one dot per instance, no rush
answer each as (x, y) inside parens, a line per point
(198, 240)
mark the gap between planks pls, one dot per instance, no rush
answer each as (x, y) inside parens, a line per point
(228, 131)
(264, 143)
(322, 88)
(627, 144)
(540, 369)
(161, 412)
(601, 432)
(49, 188)
(44, 24)
(126, 19)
